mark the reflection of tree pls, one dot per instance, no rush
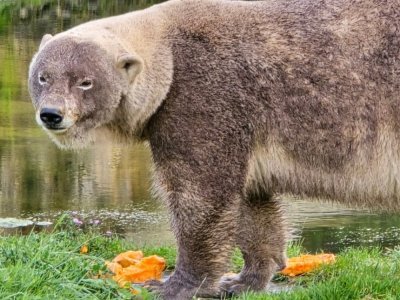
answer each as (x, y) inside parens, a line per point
(35, 175)
(36, 17)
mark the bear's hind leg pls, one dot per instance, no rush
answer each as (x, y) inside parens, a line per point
(262, 240)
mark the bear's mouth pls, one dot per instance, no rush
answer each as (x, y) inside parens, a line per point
(56, 130)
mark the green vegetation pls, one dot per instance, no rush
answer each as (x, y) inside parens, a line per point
(50, 266)
(358, 273)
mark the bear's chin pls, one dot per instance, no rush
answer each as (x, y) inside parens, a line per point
(73, 138)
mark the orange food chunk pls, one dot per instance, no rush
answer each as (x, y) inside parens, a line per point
(306, 263)
(132, 267)
(128, 258)
(84, 249)
(114, 267)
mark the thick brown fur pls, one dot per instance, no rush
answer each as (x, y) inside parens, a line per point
(240, 101)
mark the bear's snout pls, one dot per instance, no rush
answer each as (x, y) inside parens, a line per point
(51, 117)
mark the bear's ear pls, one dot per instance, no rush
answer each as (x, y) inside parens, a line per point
(47, 37)
(130, 64)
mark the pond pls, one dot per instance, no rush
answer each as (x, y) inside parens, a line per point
(111, 183)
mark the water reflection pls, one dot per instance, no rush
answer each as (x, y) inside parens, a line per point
(332, 227)
(109, 182)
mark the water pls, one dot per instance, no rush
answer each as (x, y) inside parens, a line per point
(111, 183)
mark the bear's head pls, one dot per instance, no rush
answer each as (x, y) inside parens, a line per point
(77, 86)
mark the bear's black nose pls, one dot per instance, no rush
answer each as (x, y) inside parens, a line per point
(51, 116)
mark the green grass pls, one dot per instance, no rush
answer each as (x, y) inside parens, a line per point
(357, 274)
(50, 266)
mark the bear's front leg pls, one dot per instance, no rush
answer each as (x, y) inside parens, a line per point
(204, 222)
(201, 160)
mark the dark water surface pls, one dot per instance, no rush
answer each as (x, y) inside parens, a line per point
(107, 182)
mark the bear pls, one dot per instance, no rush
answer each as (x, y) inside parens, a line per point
(240, 102)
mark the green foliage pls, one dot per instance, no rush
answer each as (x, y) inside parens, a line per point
(50, 266)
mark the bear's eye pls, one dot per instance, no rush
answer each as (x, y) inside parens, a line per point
(86, 84)
(42, 79)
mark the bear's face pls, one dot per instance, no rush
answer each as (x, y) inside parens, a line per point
(76, 87)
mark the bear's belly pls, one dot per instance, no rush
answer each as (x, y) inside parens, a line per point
(370, 179)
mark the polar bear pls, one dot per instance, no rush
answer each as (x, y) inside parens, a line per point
(240, 101)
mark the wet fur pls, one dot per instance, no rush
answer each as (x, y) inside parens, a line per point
(242, 101)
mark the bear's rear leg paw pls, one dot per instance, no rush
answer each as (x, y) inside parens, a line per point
(234, 285)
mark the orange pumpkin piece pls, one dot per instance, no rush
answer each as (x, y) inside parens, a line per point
(84, 249)
(132, 267)
(114, 267)
(306, 263)
(128, 258)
